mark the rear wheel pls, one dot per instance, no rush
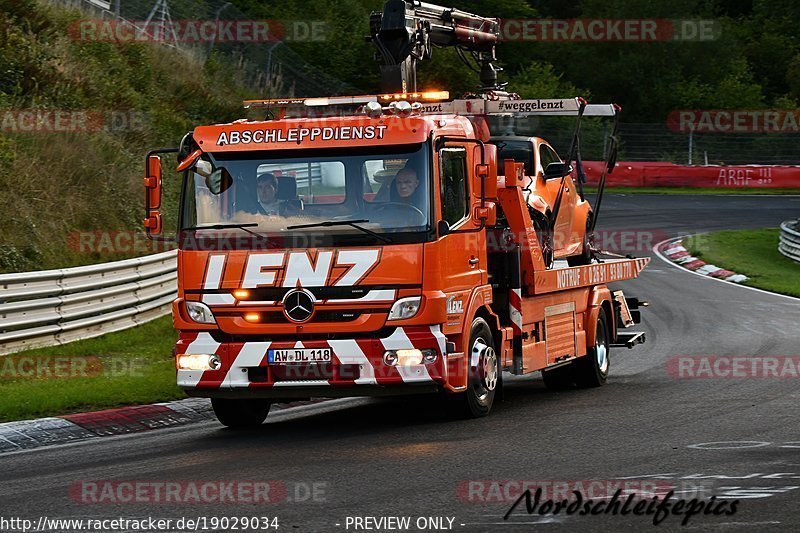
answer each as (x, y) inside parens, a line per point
(484, 373)
(592, 370)
(236, 413)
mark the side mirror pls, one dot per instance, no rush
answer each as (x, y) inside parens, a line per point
(152, 187)
(557, 170)
(219, 181)
(486, 172)
(487, 213)
(443, 228)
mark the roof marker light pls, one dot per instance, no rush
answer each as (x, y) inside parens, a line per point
(373, 109)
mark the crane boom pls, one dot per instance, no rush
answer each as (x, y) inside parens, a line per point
(406, 31)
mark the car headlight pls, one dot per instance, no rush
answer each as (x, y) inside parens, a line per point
(200, 313)
(405, 308)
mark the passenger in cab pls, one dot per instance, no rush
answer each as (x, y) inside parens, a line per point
(268, 203)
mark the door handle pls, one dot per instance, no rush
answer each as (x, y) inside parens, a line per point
(473, 260)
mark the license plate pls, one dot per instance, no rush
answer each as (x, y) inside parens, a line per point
(295, 355)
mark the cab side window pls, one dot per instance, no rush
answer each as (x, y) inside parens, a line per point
(453, 177)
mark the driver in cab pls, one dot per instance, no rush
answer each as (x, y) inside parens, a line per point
(405, 191)
(406, 187)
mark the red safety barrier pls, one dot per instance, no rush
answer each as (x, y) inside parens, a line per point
(644, 174)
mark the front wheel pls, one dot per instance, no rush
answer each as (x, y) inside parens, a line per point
(236, 413)
(484, 373)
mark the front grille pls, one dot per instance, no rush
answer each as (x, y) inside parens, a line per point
(222, 337)
(277, 317)
(324, 371)
(302, 372)
(333, 293)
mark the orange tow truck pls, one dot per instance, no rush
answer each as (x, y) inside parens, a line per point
(383, 249)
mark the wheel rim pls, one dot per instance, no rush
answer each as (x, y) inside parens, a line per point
(487, 368)
(600, 347)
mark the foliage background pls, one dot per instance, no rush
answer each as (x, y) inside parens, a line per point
(56, 184)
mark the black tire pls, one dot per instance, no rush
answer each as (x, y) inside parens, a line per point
(243, 413)
(484, 378)
(592, 370)
(559, 378)
(586, 254)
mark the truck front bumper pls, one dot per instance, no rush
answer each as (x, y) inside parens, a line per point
(357, 367)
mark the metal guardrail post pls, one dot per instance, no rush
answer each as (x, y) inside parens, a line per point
(789, 242)
(51, 307)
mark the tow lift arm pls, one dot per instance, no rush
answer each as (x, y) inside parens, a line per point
(406, 32)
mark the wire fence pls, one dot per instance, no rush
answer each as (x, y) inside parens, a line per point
(272, 68)
(656, 142)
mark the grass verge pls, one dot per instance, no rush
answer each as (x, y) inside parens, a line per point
(753, 253)
(128, 367)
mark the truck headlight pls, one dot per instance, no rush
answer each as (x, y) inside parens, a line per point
(200, 313)
(199, 362)
(405, 308)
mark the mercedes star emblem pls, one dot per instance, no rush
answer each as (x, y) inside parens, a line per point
(298, 305)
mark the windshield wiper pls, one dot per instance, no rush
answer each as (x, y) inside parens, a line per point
(242, 225)
(351, 223)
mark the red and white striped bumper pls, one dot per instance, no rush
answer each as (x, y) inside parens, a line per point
(356, 363)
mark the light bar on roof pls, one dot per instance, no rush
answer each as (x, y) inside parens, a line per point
(424, 96)
(310, 102)
(277, 102)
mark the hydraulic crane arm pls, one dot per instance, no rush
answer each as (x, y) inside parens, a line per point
(406, 31)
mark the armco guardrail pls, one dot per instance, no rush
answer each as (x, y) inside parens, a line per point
(662, 174)
(789, 244)
(51, 307)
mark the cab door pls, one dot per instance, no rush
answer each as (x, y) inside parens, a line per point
(464, 255)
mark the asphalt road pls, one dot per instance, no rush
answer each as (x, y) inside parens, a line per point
(380, 458)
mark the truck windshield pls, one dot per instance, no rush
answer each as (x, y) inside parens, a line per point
(303, 194)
